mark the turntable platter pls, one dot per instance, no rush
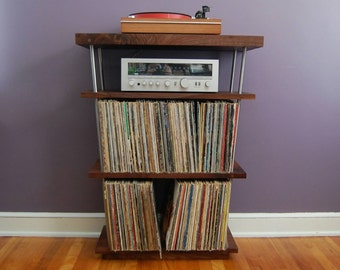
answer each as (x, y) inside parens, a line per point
(165, 15)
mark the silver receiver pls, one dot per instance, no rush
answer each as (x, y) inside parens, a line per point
(169, 75)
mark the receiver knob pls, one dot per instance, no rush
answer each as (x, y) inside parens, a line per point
(131, 82)
(167, 83)
(208, 83)
(184, 83)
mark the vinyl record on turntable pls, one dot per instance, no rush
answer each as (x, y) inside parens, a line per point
(168, 23)
(160, 15)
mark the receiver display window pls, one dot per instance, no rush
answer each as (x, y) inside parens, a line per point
(164, 69)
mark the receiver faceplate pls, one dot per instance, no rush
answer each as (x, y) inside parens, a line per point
(176, 75)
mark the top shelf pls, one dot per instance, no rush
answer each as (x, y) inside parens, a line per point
(221, 42)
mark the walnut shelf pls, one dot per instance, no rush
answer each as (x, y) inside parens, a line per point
(237, 173)
(216, 42)
(164, 95)
(103, 249)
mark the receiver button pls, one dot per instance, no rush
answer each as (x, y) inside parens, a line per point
(184, 83)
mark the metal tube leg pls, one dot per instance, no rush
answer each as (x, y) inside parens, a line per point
(100, 63)
(240, 85)
(93, 68)
(95, 89)
(232, 78)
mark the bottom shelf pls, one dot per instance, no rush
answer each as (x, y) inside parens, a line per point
(103, 248)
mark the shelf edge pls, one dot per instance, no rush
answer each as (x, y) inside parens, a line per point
(218, 42)
(96, 173)
(165, 95)
(103, 249)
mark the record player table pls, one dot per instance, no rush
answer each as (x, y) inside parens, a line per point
(97, 43)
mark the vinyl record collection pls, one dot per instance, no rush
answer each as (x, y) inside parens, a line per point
(167, 136)
(131, 216)
(199, 216)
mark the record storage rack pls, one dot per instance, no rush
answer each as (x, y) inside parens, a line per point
(236, 45)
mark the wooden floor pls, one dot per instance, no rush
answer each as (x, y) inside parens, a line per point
(254, 253)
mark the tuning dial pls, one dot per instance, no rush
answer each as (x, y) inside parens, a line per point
(131, 82)
(208, 83)
(184, 83)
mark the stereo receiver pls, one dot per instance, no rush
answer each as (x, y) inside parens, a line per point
(173, 75)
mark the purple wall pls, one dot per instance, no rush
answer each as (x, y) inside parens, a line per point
(289, 137)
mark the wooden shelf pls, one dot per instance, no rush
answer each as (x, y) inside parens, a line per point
(216, 42)
(166, 95)
(95, 172)
(103, 248)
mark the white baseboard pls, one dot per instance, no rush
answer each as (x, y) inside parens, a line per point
(285, 224)
(241, 224)
(51, 224)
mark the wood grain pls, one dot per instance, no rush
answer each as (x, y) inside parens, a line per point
(96, 173)
(217, 42)
(172, 26)
(103, 248)
(119, 95)
(254, 253)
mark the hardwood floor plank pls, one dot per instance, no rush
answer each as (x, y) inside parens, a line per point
(284, 255)
(302, 253)
(323, 253)
(7, 245)
(254, 253)
(205, 264)
(72, 254)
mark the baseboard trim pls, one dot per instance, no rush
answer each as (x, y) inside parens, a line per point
(285, 224)
(241, 224)
(51, 224)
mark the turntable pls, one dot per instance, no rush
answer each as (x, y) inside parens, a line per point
(169, 23)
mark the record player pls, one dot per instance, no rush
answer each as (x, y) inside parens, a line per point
(171, 23)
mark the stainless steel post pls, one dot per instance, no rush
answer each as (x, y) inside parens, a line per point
(240, 85)
(232, 78)
(100, 63)
(93, 68)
